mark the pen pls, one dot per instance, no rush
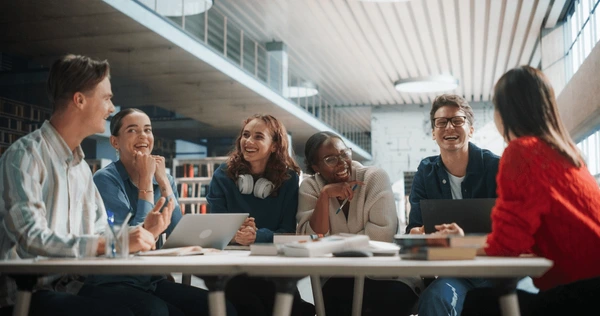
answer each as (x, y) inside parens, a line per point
(126, 221)
(346, 200)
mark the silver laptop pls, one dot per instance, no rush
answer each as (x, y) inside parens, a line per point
(205, 230)
(472, 215)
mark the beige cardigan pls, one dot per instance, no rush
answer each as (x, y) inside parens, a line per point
(372, 210)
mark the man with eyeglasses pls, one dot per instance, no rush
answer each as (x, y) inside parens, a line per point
(461, 171)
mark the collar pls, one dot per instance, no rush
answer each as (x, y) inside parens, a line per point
(125, 176)
(475, 164)
(59, 145)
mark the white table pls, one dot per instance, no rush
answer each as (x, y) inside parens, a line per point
(231, 263)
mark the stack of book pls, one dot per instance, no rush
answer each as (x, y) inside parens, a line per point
(438, 247)
(276, 247)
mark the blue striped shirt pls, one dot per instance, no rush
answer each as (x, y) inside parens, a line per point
(49, 205)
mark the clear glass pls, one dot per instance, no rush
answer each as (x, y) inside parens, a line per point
(117, 241)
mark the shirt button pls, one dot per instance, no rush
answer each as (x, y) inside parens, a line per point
(444, 181)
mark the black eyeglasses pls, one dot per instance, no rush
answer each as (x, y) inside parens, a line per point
(442, 122)
(332, 161)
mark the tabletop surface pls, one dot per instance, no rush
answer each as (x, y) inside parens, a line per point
(236, 262)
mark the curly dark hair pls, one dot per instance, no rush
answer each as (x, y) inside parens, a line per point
(279, 162)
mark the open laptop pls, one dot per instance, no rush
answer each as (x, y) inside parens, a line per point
(205, 230)
(472, 215)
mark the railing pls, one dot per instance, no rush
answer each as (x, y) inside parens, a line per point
(219, 33)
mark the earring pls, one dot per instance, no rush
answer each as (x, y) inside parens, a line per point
(117, 153)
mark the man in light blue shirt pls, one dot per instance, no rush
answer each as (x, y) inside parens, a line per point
(49, 205)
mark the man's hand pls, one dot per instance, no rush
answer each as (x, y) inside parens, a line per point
(140, 240)
(417, 230)
(156, 221)
(245, 236)
(449, 229)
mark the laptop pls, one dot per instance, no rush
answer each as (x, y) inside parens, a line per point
(472, 215)
(205, 230)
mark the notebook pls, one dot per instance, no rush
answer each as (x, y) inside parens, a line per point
(472, 215)
(205, 230)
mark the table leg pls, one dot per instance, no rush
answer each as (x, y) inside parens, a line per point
(359, 282)
(186, 279)
(25, 284)
(284, 298)
(509, 302)
(315, 282)
(216, 295)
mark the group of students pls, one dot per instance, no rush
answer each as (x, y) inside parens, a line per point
(50, 205)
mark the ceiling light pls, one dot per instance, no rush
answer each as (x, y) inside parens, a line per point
(302, 90)
(173, 7)
(427, 84)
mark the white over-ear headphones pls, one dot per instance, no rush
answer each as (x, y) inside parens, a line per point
(262, 188)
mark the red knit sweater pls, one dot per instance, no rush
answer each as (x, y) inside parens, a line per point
(548, 207)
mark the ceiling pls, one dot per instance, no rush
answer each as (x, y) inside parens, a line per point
(353, 51)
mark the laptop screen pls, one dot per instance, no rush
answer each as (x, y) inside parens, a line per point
(472, 215)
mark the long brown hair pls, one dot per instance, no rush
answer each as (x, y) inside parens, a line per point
(526, 103)
(279, 161)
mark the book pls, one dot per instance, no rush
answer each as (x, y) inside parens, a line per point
(438, 253)
(178, 251)
(431, 240)
(286, 238)
(326, 245)
(266, 249)
(381, 248)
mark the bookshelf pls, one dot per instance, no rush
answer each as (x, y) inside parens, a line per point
(192, 177)
(18, 119)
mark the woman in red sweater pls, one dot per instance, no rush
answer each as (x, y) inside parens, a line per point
(548, 203)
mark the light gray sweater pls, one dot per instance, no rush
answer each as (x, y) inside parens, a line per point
(372, 209)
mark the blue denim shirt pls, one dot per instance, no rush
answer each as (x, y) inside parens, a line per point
(431, 181)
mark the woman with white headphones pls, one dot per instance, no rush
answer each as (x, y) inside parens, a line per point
(260, 178)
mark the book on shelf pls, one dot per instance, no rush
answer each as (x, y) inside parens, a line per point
(178, 251)
(432, 240)
(438, 253)
(326, 245)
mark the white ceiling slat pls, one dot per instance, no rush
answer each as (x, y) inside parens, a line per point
(381, 32)
(508, 28)
(466, 48)
(453, 47)
(557, 8)
(526, 13)
(412, 40)
(439, 40)
(479, 39)
(358, 10)
(491, 49)
(534, 31)
(421, 19)
(397, 33)
(383, 92)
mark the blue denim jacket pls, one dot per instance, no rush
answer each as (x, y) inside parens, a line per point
(431, 181)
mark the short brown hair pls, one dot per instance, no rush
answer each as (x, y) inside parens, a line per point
(451, 100)
(74, 73)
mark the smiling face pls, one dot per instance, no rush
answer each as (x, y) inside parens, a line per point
(256, 144)
(134, 135)
(97, 106)
(342, 170)
(452, 138)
